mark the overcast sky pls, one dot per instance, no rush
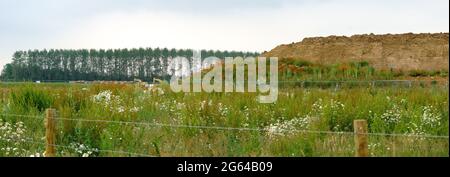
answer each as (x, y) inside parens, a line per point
(248, 25)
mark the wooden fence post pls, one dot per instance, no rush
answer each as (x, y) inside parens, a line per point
(361, 140)
(50, 131)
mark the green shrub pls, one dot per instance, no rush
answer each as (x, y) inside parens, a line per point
(301, 63)
(363, 63)
(418, 73)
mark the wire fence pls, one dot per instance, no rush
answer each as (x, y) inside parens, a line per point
(149, 124)
(223, 128)
(85, 149)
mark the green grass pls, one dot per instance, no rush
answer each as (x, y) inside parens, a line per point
(391, 110)
(298, 69)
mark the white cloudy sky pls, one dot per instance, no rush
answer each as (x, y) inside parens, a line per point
(248, 25)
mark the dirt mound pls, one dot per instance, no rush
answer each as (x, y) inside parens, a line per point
(391, 51)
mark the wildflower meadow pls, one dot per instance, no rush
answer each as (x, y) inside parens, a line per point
(96, 120)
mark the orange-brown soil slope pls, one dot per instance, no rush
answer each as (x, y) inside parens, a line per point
(391, 51)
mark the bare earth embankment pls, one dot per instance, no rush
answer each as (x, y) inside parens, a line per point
(391, 51)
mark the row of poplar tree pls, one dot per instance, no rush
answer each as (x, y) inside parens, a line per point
(112, 64)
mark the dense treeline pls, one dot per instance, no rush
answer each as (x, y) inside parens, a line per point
(113, 64)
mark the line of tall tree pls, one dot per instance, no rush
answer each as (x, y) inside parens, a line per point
(112, 64)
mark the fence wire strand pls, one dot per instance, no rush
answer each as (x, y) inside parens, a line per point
(87, 149)
(231, 128)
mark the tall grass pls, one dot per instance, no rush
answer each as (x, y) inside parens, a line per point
(298, 69)
(417, 110)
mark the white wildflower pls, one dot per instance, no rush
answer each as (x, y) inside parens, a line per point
(11, 137)
(102, 97)
(135, 109)
(83, 150)
(223, 110)
(430, 117)
(288, 127)
(120, 109)
(392, 116)
(317, 107)
(417, 130)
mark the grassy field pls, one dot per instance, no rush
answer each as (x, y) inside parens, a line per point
(188, 124)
